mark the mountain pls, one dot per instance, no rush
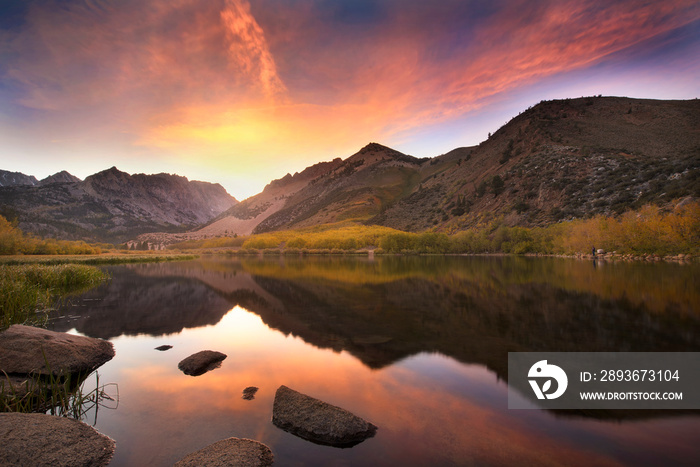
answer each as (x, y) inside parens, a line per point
(111, 205)
(356, 188)
(558, 160)
(59, 177)
(16, 178)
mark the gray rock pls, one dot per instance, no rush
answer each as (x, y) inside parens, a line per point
(237, 452)
(201, 362)
(318, 421)
(45, 440)
(26, 350)
(163, 348)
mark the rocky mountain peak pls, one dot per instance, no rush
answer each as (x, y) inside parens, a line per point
(375, 152)
(60, 177)
(374, 147)
(113, 206)
(8, 178)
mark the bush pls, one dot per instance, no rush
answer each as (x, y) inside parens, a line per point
(398, 242)
(432, 242)
(497, 185)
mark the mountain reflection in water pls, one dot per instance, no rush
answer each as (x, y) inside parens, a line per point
(472, 309)
(372, 336)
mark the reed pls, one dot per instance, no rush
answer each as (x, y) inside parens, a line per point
(29, 291)
(63, 396)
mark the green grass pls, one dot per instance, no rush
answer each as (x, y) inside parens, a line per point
(28, 291)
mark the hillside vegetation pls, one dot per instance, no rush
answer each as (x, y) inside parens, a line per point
(647, 231)
(13, 241)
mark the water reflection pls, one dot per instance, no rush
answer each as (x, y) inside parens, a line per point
(472, 309)
(416, 345)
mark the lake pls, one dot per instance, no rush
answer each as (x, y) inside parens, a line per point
(415, 345)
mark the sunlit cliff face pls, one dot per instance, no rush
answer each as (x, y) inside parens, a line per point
(239, 92)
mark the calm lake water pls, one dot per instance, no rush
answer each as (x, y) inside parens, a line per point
(418, 346)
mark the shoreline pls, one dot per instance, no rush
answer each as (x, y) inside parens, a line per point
(609, 256)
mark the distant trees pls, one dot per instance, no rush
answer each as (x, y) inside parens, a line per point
(507, 152)
(497, 185)
(13, 241)
(462, 206)
(11, 238)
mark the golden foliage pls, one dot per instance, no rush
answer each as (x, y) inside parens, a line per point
(13, 241)
(328, 237)
(645, 231)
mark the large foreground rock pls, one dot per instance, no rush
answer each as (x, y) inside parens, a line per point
(45, 440)
(201, 362)
(26, 350)
(237, 452)
(318, 421)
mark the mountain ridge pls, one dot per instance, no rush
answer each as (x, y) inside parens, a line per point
(558, 160)
(112, 205)
(555, 161)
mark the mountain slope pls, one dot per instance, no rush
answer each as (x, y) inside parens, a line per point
(356, 188)
(112, 205)
(560, 160)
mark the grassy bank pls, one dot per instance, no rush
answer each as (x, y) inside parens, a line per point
(28, 291)
(93, 260)
(31, 285)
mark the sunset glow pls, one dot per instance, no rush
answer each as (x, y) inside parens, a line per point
(241, 92)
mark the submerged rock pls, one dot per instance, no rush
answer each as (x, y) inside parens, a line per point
(249, 393)
(164, 347)
(318, 421)
(26, 350)
(201, 362)
(45, 440)
(238, 452)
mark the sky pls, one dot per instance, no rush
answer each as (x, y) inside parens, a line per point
(241, 92)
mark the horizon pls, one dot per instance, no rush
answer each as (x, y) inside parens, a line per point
(241, 93)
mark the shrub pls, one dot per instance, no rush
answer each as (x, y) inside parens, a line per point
(397, 242)
(497, 185)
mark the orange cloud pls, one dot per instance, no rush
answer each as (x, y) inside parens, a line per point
(248, 46)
